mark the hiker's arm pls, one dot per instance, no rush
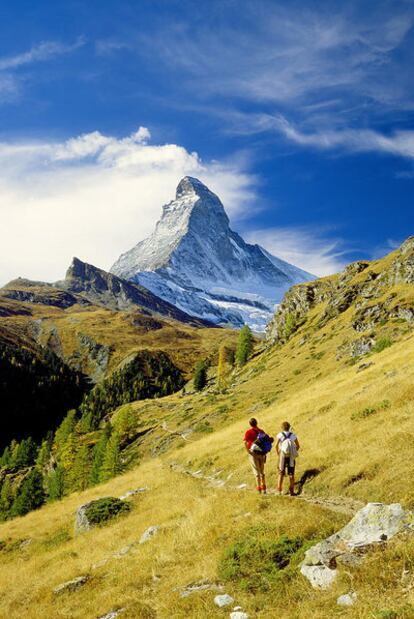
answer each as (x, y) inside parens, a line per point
(247, 448)
(278, 447)
(297, 444)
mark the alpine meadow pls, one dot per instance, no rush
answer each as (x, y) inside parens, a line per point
(209, 411)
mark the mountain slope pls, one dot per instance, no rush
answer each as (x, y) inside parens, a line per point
(194, 260)
(349, 411)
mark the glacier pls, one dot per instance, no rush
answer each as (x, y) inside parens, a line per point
(196, 262)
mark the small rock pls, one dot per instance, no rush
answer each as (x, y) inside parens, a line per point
(113, 613)
(348, 599)
(236, 608)
(130, 493)
(223, 600)
(99, 564)
(122, 552)
(238, 614)
(197, 587)
(242, 487)
(319, 576)
(25, 543)
(148, 534)
(70, 585)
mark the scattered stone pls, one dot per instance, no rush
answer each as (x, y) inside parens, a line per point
(25, 543)
(364, 366)
(223, 600)
(122, 552)
(374, 524)
(242, 487)
(348, 599)
(197, 587)
(238, 614)
(319, 576)
(113, 613)
(70, 585)
(148, 534)
(99, 564)
(131, 493)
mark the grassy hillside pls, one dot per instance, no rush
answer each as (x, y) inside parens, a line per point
(351, 405)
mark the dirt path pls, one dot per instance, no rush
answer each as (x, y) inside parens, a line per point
(340, 504)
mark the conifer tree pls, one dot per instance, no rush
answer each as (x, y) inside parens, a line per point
(98, 456)
(200, 376)
(31, 494)
(56, 483)
(111, 464)
(80, 472)
(6, 459)
(25, 453)
(66, 428)
(244, 346)
(6, 498)
(43, 455)
(125, 422)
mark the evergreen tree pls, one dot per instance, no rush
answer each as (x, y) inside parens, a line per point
(31, 494)
(98, 456)
(125, 422)
(111, 464)
(244, 346)
(6, 498)
(67, 451)
(43, 455)
(25, 453)
(6, 458)
(80, 472)
(200, 376)
(56, 483)
(66, 428)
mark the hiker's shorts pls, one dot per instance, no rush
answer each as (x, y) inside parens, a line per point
(285, 466)
(257, 462)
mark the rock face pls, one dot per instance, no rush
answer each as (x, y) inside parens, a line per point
(359, 287)
(98, 511)
(195, 261)
(374, 524)
(102, 288)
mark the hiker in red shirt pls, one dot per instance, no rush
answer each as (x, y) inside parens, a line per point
(257, 447)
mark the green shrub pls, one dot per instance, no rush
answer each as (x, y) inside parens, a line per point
(203, 426)
(102, 510)
(381, 344)
(365, 412)
(256, 560)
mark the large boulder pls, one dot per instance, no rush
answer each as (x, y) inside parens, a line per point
(98, 512)
(374, 524)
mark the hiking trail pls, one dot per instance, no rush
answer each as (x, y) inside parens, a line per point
(339, 504)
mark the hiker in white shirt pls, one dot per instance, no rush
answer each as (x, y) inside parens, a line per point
(287, 448)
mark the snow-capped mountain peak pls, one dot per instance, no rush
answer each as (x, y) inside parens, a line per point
(194, 260)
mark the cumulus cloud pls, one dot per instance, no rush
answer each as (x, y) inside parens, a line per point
(95, 196)
(304, 247)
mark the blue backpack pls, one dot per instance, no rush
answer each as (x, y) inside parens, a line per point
(262, 444)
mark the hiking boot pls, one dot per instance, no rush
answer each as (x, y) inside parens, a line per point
(264, 489)
(259, 489)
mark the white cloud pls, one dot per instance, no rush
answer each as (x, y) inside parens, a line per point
(38, 53)
(306, 248)
(95, 196)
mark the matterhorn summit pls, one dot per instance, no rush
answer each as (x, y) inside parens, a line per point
(195, 261)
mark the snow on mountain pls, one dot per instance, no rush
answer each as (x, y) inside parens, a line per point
(194, 260)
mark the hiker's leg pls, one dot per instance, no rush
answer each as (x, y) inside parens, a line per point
(292, 484)
(262, 471)
(280, 482)
(256, 471)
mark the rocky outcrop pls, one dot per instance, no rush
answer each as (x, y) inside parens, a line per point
(102, 288)
(373, 525)
(363, 287)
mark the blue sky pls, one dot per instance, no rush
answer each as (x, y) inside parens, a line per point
(298, 114)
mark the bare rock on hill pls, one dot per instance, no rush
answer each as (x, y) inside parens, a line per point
(148, 534)
(113, 613)
(374, 524)
(70, 585)
(223, 600)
